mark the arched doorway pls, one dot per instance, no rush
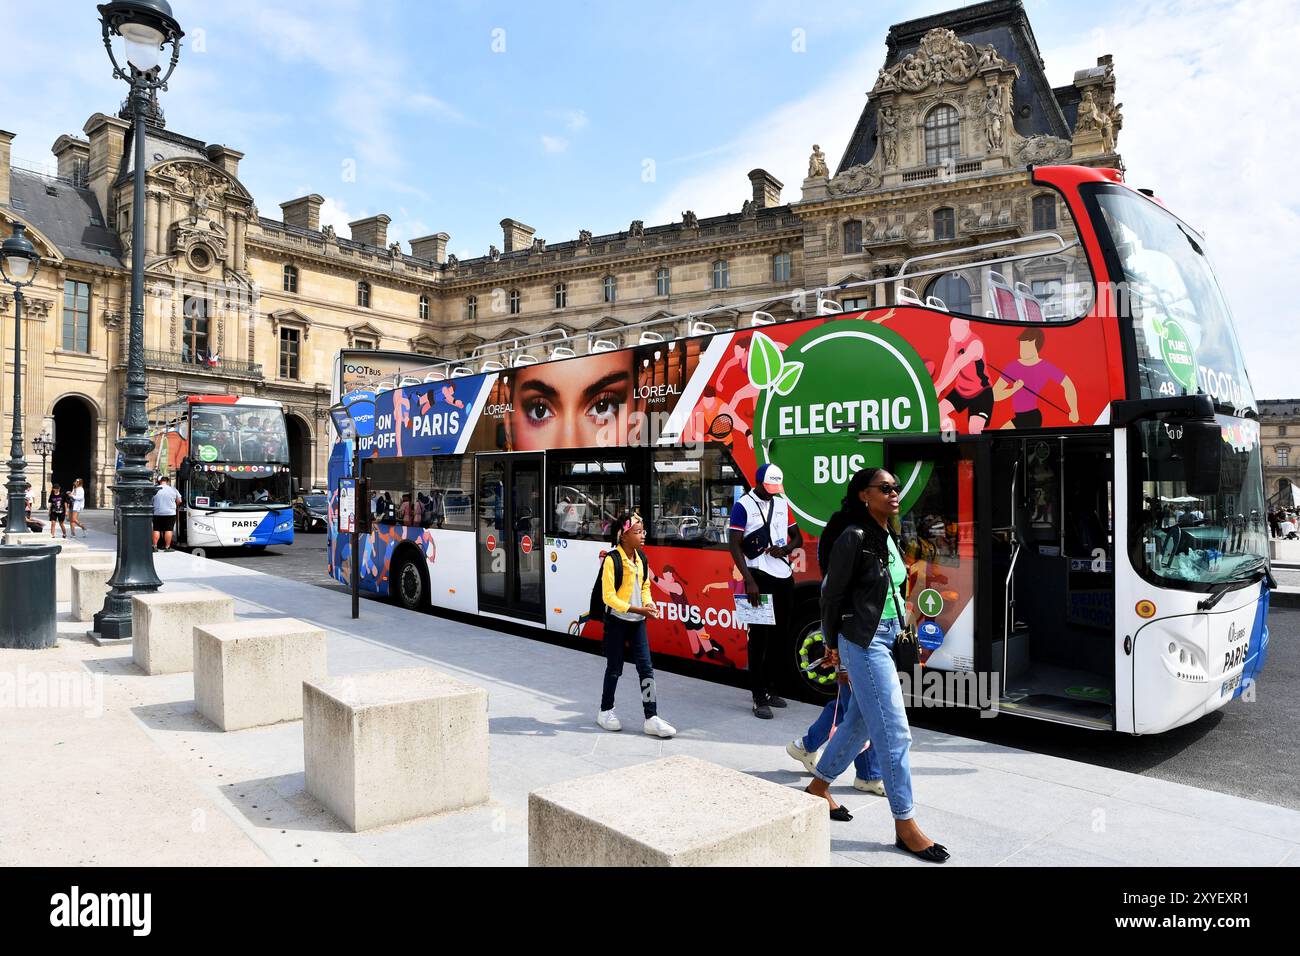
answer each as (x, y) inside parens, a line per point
(75, 426)
(300, 458)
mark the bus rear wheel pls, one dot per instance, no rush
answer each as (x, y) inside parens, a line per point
(409, 584)
(808, 652)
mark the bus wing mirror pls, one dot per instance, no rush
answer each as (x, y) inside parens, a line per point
(1202, 456)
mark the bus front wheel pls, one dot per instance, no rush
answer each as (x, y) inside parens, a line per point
(410, 584)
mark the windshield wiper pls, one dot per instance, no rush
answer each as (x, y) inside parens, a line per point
(1227, 586)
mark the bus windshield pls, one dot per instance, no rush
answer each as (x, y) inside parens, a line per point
(216, 488)
(1186, 343)
(238, 434)
(1206, 539)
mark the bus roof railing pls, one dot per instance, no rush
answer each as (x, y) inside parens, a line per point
(501, 356)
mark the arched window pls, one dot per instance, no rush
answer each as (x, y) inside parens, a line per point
(471, 308)
(781, 267)
(1044, 212)
(954, 290)
(720, 274)
(852, 236)
(290, 278)
(363, 294)
(945, 223)
(942, 135)
(514, 301)
(424, 308)
(663, 281)
(561, 295)
(610, 286)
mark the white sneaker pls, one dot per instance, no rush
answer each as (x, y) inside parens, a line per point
(608, 720)
(658, 727)
(795, 749)
(869, 786)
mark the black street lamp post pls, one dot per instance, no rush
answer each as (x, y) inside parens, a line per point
(43, 445)
(145, 27)
(19, 263)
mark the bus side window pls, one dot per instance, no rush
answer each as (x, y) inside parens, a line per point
(586, 496)
(691, 497)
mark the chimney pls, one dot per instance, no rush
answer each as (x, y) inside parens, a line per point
(74, 159)
(371, 231)
(6, 138)
(767, 188)
(225, 157)
(431, 247)
(303, 213)
(517, 236)
(107, 138)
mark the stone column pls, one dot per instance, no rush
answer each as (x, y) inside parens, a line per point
(228, 223)
(241, 226)
(160, 222)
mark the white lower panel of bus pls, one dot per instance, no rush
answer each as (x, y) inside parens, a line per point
(453, 581)
(571, 568)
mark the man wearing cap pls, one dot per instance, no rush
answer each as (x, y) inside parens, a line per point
(763, 534)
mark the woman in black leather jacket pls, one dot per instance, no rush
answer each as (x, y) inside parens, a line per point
(862, 603)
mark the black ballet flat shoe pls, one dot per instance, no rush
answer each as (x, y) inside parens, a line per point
(840, 813)
(934, 853)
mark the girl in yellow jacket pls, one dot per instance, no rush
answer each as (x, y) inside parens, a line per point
(626, 609)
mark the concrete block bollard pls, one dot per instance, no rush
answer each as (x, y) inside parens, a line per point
(89, 585)
(679, 811)
(162, 627)
(395, 745)
(250, 673)
(65, 559)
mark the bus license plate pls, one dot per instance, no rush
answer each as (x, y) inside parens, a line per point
(1230, 685)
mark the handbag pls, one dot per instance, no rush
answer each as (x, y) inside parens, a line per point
(907, 651)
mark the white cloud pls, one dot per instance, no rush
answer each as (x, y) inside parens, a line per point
(431, 106)
(554, 144)
(1209, 123)
(573, 120)
(334, 213)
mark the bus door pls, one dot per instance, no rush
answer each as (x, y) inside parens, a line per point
(1054, 575)
(943, 530)
(509, 528)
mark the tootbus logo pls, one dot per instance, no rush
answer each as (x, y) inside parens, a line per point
(830, 386)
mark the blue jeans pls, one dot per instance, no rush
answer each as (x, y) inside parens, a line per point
(865, 763)
(877, 715)
(619, 632)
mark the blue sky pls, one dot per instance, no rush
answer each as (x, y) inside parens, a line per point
(455, 115)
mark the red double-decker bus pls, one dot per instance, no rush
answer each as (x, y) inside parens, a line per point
(1068, 412)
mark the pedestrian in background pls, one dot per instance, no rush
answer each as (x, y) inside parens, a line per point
(58, 510)
(628, 605)
(165, 500)
(77, 499)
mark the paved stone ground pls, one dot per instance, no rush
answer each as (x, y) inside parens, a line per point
(148, 781)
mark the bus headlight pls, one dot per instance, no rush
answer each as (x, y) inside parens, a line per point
(202, 526)
(284, 525)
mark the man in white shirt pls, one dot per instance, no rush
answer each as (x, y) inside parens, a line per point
(766, 572)
(165, 500)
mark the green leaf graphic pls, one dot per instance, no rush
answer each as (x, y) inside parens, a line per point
(789, 378)
(764, 361)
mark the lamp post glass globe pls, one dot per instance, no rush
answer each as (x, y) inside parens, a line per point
(19, 256)
(140, 28)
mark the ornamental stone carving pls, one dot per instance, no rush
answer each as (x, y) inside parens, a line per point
(584, 237)
(1042, 149)
(637, 229)
(941, 58)
(817, 163)
(887, 133)
(994, 117)
(204, 186)
(855, 179)
(689, 220)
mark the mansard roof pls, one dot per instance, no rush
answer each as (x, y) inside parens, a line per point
(68, 215)
(1036, 107)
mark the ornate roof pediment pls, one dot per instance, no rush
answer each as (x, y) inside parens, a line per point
(290, 317)
(941, 58)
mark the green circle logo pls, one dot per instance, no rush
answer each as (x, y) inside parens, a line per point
(208, 452)
(834, 384)
(930, 602)
(1179, 356)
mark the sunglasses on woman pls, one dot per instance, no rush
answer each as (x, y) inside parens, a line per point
(887, 489)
